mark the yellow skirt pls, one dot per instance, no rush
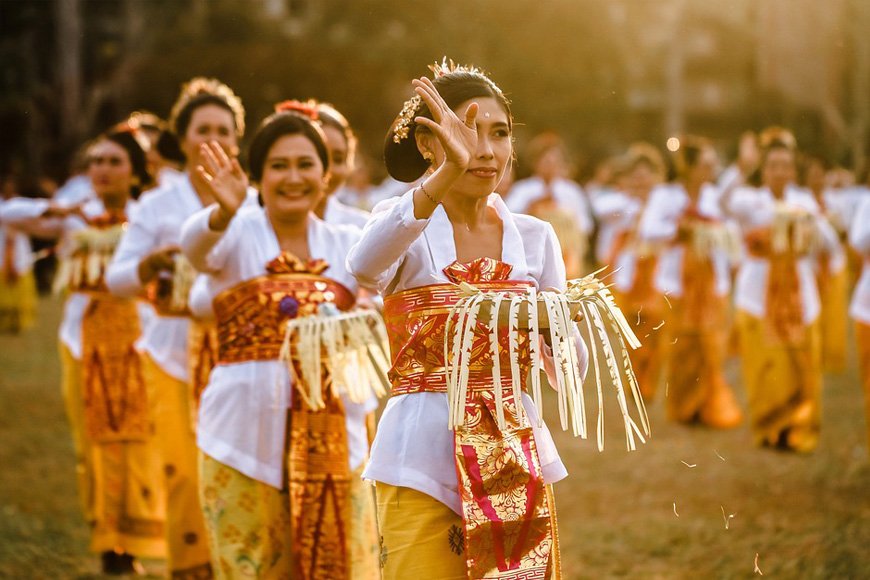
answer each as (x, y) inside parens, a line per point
(74, 402)
(862, 335)
(835, 319)
(697, 390)
(168, 400)
(17, 304)
(423, 538)
(119, 483)
(420, 536)
(783, 383)
(249, 526)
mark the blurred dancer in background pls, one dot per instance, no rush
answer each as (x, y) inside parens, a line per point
(551, 196)
(148, 260)
(104, 386)
(777, 299)
(694, 271)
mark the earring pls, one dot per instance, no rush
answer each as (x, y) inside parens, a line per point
(427, 155)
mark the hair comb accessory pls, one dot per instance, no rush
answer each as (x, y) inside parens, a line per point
(134, 128)
(406, 117)
(305, 108)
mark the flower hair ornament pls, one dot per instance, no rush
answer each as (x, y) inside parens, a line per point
(411, 108)
(134, 128)
(304, 108)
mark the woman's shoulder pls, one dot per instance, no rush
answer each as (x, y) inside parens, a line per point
(530, 227)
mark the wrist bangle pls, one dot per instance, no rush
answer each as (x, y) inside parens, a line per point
(426, 193)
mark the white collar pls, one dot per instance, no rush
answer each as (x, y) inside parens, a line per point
(442, 248)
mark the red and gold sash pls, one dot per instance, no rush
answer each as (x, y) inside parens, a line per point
(508, 515)
(701, 307)
(251, 320)
(784, 307)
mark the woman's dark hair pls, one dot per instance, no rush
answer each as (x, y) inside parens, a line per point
(330, 117)
(127, 140)
(689, 154)
(276, 126)
(403, 160)
(169, 148)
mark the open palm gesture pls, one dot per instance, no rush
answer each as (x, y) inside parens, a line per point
(221, 177)
(458, 137)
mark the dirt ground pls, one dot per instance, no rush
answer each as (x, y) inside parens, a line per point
(659, 512)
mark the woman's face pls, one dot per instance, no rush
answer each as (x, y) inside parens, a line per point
(778, 169)
(816, 176)
(110, 170)
(209, 122)
(641, 179)
(293, 178)
(494, 149)
(704, 170)
(340, 159)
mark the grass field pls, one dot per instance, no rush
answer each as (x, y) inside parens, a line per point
(659, 512)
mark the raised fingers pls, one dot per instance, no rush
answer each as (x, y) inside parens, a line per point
(471, 114)
(209, 161)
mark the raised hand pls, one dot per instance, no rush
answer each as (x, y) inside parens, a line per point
(222, 178)
(458, 137)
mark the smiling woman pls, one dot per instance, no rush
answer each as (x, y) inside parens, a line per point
(268, 266)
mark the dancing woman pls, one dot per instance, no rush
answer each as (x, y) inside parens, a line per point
(117, 460)
(148, 260)
(777, 299)
(277, 482)
(694, 271)
(446, 500)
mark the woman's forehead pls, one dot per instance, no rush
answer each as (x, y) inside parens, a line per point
(488, 108)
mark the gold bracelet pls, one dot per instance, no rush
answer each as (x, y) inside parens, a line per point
(426, 193)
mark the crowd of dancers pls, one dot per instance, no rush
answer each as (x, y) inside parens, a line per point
(202, 434)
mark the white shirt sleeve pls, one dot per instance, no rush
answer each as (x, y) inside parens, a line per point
(553, 271)
(859, 233)
(205, 248)
(658, 221)
(21, 209)
(138, 241)
(376, 257)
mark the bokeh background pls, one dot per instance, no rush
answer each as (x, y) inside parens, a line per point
(603, 73)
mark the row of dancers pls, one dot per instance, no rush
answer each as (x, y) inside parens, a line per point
(202, 434)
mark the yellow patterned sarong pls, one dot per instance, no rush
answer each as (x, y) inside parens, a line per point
(74, 403)
(834, 296)
(17, 303)
(249, 525)
(783, 380)
(168, 399)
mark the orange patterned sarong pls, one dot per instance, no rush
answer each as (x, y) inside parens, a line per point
(507, 512)
(116, 402)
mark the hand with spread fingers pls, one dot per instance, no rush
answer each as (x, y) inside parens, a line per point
(222, 178)
(458, 137)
